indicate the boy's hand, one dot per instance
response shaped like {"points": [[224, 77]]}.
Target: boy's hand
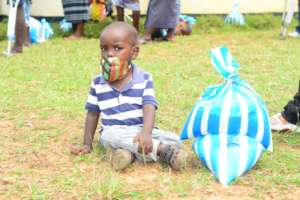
{"points": [[80, 150], [145, 142]]}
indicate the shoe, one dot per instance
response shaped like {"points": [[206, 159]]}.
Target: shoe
{"points": [[121, 159], [294, 34], [176, 158], [278, 123]]}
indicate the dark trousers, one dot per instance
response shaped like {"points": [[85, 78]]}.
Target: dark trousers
{"points": [[291, 111]]}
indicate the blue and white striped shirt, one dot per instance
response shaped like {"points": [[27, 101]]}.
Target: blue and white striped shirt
{"points": [[122, 107]]}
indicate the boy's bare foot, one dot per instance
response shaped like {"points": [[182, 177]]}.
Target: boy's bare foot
{"points": [[121, 159]]}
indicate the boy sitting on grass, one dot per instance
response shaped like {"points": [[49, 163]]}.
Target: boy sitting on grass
{"points": [[124, 96]]}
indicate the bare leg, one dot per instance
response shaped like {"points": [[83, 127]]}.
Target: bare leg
{"points": [[19, 29], [26, 37], [136, 19], [148, 34], [170, 35], [120, 13], [79, 29]]}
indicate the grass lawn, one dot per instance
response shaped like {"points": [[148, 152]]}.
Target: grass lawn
{"points": [[43, 92]]}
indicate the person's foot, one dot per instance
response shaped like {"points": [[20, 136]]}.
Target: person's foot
{"points": [[144, 40], [171, 37], [73, 37], [121, 159], [278, 123], [294, 34], [15, 51], [176, 158], [27, 43]]}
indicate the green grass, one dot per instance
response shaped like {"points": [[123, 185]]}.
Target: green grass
{"points": [[43, 92]]}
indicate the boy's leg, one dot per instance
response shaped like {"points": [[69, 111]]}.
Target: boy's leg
{"points": [[19, 30], [169, 150], [136, 19], [123, 138]]}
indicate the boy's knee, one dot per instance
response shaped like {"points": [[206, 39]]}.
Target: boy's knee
{"points": [[107, 140]]}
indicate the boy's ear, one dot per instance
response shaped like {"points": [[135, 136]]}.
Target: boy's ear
{"points": [[135, 51]]}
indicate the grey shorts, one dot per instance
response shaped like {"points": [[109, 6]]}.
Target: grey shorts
{"points": [[121, 137]]}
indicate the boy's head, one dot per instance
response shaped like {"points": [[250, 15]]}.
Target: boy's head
{"points": [[119, 46]]}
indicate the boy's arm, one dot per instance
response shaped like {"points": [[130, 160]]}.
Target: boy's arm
{"points": [[144, 139], [91, 122]]}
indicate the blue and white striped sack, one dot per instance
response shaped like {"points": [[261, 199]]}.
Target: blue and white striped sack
{"points": [[231, 110], [226, 156]]}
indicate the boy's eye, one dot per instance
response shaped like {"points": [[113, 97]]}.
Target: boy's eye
{"points": [[117, 48]]}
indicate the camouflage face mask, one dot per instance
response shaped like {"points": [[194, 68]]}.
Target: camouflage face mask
{"points": [[113, 69]]}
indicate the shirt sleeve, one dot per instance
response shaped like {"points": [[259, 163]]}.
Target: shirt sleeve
{"points": [[92, 101], [149, 94]]}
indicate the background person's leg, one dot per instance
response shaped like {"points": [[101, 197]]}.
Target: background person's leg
{"points": [[19, 30], [136, 19], [120, 13]]}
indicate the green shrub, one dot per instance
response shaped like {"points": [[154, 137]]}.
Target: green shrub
{"points": [[205, 24], [262, 22]]}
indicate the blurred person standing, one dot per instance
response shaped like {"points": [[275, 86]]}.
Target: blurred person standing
{"points": [[77, 13], [161, 15]]}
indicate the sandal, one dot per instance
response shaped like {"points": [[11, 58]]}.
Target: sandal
{"points": [[278, 123], [174, 157]]}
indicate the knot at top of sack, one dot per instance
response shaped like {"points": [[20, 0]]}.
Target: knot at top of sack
{"points": [[224, 63]]}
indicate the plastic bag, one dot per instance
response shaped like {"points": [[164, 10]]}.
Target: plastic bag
{"points": [[228, 157], [235, 17], [46, 30], [65, 26], [35, 30], [232, 108], [230, 122]]}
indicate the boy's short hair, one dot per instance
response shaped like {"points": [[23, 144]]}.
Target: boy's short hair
{"points": [[126, 28]]}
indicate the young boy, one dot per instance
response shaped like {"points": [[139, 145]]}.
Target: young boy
{"points": [[133, 5], [124, 96]]}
